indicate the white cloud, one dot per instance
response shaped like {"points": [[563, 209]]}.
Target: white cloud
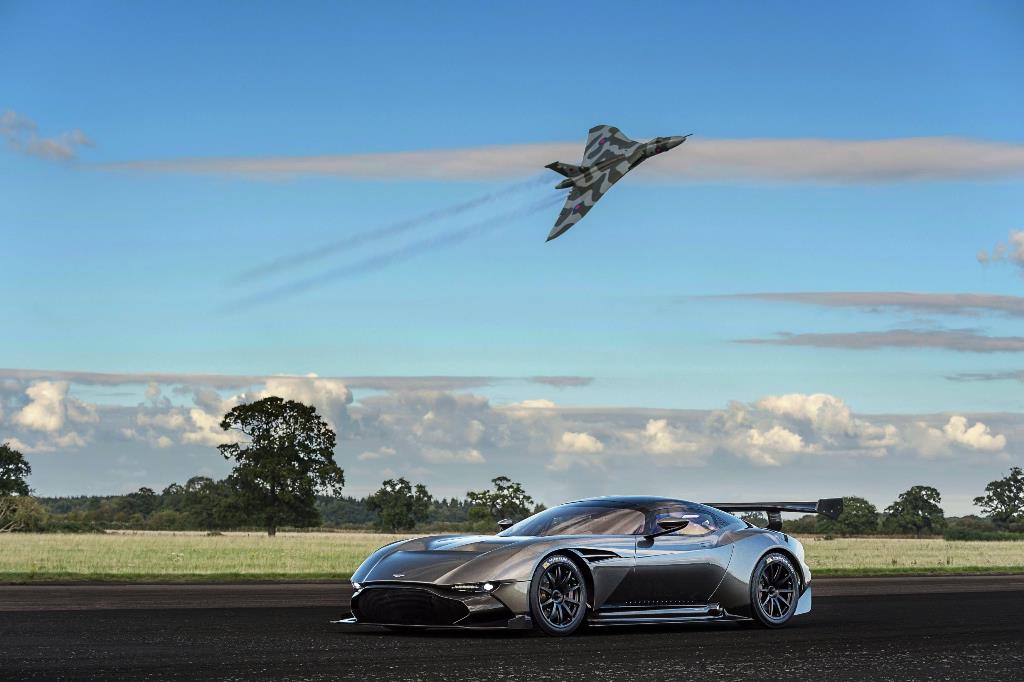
{"points": [[535, 404], [824, 412], [204, 429], [67, 440], [331, 397], [1010, 251], [700, 160], [776, 428], [152, 391], [579, 442], [46, 411], [661, 439], [379, 453], [533, 409], [175, 420], [21, 135], [977, 437], [50, 409], [953, 437], [442, 456], [770, 447]]}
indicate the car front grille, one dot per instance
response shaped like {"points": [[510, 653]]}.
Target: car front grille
{"points": [[407, 606]]}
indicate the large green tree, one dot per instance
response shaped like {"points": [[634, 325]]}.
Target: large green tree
{"points": [[14, 472], [284, 460], [859, 517], [210, 504], [1003, 501], [506, 500], [399, 506], [916, 511]]}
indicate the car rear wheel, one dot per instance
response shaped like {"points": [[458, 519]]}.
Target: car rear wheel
{"points": [[558, 596], [774, 590]]}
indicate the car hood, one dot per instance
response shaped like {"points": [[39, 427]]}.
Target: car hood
{"points": [[431, 560]]}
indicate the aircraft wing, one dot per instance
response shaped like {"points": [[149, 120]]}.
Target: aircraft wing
{"points": [[581, 199], [605, 143]]}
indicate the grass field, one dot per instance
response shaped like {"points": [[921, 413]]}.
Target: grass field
{"points": [[154, 556]]}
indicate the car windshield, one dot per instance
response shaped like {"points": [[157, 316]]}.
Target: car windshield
{"points": [[579, 520]]}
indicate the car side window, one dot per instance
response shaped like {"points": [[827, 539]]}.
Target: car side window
{"points": [[700, 523]]}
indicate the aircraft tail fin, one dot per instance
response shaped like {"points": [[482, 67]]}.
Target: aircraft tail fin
{"points": [[566, 169]]}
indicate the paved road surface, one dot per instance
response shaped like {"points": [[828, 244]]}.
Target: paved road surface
{"points": [[937, 629]]}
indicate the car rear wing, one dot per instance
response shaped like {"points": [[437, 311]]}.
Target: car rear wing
{"points": [[831, 507]]}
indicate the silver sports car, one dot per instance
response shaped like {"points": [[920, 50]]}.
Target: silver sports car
{"points": [[603, 561]]}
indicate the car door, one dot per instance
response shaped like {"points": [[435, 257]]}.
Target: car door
{"points": [[683, 567]]}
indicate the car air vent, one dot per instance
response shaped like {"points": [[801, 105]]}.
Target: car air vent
{"points": [[595, 555]]}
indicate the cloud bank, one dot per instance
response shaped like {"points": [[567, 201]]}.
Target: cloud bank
{"points": [[455, 439], [700, 160], [243, 381]]}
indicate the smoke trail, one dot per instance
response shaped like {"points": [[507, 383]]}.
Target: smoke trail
{"points": [[396, 255], [368, 236]]}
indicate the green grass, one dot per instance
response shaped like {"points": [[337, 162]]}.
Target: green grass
{"points": [[246, 557], [904, 556], [196, 557]]}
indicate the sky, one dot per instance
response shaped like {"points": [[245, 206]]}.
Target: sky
{"points": [[819, 294]]}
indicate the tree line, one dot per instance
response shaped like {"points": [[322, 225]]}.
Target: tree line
{"points": [[284, 475], [202, 503]]}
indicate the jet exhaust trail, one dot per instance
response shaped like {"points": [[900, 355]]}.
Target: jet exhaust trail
{"points": [[369, 236], [396, 255]]}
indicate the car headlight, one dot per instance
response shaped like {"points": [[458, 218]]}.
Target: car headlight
{"points": [[475, 587]]}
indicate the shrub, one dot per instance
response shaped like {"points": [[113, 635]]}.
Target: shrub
{"points": [[980, 535]]}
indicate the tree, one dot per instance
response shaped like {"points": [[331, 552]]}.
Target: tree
{"points": [[210, 504], [859, 517], [398, 507], [21, 513], [1004, 499], [287, 460], [916, 511], [144, 501], [13, 472], [507, 500]]}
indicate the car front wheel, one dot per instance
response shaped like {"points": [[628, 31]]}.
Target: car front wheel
{"points": [[558, 596], [774, 590]]}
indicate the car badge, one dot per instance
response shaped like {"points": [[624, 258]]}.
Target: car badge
{"points": [[398, 575]]}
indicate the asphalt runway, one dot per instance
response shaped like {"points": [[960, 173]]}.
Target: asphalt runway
{"points": [[880, 629]]}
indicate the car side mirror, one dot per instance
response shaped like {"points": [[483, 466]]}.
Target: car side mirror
{"points": [[668, 525], [505, 524], [671, 525]]}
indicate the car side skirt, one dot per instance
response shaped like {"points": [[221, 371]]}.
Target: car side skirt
{"points": [[632, 615]]}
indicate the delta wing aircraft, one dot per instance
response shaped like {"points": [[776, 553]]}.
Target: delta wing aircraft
{"points": [[608, 156]]}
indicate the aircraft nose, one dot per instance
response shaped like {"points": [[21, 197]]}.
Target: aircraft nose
{"points": [[674, 142]]}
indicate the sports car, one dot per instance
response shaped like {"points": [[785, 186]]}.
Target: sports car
{"points": [[600, 561]]}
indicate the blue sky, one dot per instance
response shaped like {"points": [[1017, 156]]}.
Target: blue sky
{"points": [[117, 267]]}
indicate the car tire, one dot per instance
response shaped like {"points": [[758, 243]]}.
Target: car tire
{"points": [[774, 590], [558, 596]]}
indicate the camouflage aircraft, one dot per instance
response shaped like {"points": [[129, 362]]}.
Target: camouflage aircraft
{"points": [[608, 156]]}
